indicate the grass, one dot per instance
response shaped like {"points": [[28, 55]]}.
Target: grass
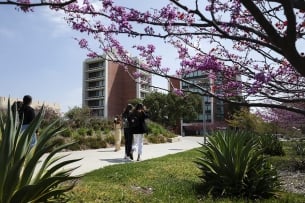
{"points": [[173, 178]]}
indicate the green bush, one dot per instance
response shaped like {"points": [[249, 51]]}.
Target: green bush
{"points": [[299, 148], [156, 139], [271, 145], [157, 129], [67, 133], [82, 131], [57, 141], [109, 139], [233, 164], [298, 164], [20, 180], [95, 142], [90, 132]]}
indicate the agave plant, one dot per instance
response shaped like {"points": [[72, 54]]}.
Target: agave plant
{"points": [[233, 164], [21, 180]]}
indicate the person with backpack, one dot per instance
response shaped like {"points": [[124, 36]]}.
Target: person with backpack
{"points": [[138, 127], [127, 131], [26, 116]]}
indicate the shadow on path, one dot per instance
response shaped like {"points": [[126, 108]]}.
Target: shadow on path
{"points": [[118, 160]]}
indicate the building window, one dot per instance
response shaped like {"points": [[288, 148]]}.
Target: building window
{"points": [[96, 93], [143, 95], [96, 74], [100, 64], [97, 112], [93, 103], [94, 84]]}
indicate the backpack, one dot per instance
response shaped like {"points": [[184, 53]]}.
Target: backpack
{"points": [[134, 121], [17, 107]]}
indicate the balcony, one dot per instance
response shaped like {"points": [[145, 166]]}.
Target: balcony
{"points": [[95, 88], [92, 79], [90, 70], [96, 107], [94, 98]]}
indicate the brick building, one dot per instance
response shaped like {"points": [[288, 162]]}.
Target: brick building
{"points": [[108, 86]]}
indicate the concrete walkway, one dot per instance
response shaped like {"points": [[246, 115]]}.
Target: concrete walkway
{"points": [[99, 158]]}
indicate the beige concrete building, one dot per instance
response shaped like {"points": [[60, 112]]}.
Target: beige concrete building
{"points": [[35, 104]]}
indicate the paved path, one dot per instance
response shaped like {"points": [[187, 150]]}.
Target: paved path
{"points": [[98, 158]]}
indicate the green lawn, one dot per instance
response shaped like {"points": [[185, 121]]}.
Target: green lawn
{"points": [[173, 178]]}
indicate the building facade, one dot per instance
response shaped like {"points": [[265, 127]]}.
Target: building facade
{"points": [[214, 111], [108, 86]]}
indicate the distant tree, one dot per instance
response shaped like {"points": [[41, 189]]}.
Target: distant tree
{"points": [[245, 120], [78, 117], [168, 109], [50, 116], [157, 106]]}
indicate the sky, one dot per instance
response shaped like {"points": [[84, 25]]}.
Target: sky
{"points": [[39, 56]]}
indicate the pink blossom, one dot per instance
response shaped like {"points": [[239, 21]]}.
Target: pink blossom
{"points": [[83, 43]]}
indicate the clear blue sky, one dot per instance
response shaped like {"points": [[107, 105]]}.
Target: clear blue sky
{"points": [[38, 56]]}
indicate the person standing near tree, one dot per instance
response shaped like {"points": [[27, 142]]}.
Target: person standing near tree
{"points": [[138, 127], [128, 136], [26, 116], [117, 125]]}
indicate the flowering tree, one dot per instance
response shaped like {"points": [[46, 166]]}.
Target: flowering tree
{"points": [[253, 47], [27, 5], [284, 119]]}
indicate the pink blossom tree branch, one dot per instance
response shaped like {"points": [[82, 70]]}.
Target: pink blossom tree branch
{"points": [[252, 47], [27, 5]]}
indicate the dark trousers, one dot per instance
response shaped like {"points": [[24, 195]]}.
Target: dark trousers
{"points": [[128, 141]]}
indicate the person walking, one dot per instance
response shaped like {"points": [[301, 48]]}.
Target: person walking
{"points": [[26, 116], [139, 127], [117, 125], [128, 136]]}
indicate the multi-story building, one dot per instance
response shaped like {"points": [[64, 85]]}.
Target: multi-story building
{"points": [[214, 111], [108, 86]]}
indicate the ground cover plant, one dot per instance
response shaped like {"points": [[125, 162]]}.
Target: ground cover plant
{"points": [[173, 178]]}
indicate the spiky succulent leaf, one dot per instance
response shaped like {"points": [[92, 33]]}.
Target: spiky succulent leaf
{"points": [[21, 178]]}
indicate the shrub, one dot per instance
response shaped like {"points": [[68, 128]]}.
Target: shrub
{"points": [[67, 133], [109, 139], [103, 144], [95, 142], [298, 164], [299, 148], [157, 129], [156, 139], [82, 131], [233, 164], [90, 132], [271, 145], [20, 180], [56, 141]]}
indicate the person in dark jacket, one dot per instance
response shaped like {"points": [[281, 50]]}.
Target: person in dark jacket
{"points": [[139, 127], [127, 131], [27, 115]]}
